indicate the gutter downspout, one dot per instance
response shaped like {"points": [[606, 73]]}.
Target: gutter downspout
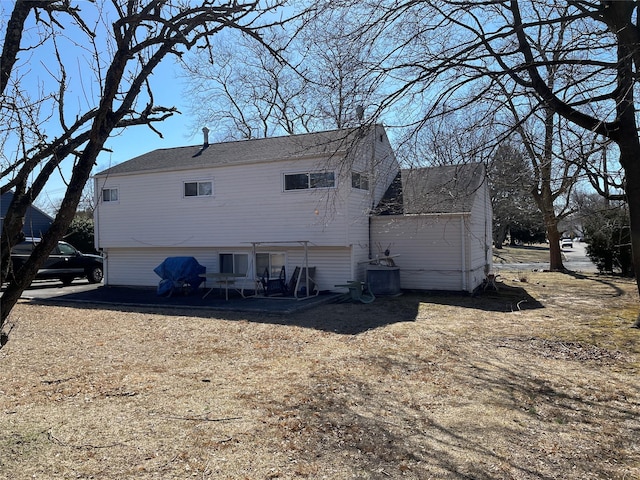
{"points": [[96, 231], [463, 256], [372, 185]]}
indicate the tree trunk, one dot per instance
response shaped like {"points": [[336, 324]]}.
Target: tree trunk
{"points": [[544, 200], [555, 252], [631, 164], [81, 173], [500, 235]]}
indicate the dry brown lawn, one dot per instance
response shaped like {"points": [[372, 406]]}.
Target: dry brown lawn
{"points": [[537, 381]]}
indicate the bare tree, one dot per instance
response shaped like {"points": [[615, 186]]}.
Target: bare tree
{"points": [[546, 142], [114, 46], [447, 54], [511, 182], [244, 93], [548, 139]]}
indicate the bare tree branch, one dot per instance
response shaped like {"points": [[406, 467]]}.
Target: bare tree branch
{"points": [[114, 81]]}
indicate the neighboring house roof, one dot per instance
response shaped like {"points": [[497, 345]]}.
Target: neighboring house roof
{"points": [[36, 222], [442, 189], [241, 152]]}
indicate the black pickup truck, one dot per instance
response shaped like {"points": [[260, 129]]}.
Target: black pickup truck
{"points": [[64, 262]]}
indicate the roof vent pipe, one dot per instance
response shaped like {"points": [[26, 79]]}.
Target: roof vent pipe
{"points": [[205, 131]]}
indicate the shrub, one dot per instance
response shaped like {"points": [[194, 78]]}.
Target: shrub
{"points": [[80, 235], [609, 240]]}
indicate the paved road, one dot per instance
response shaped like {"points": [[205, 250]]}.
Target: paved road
{"points": [[575, 259]]}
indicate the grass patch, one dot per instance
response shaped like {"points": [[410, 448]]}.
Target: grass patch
{"points": [[521, 254], [21, 445], [427, 386]]}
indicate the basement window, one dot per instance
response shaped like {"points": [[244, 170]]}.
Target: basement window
{"points": [[198, 189], [234, 263]]}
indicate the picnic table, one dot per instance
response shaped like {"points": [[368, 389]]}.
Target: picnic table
{"points": [[221, 280]]}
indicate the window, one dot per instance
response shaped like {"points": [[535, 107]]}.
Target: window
{"points": [[234, 263], [304, 181], [359, 181], [272, 262], [65, 249], [109, 194], [198, 189], [299, 181], [322, 180]]}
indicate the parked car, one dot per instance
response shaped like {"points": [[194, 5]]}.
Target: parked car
{"points": [[566, 243], [65, 262]]}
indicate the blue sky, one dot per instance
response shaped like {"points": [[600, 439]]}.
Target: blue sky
{"points": [[133, 141], [167, 86], [37, 69]]}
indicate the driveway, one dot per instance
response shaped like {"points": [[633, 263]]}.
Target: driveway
{"points": [[576, 258], [43, 289]]}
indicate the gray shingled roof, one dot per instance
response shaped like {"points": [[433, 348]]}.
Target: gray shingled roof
{"points": [[36, 222], [239, 152], [442, 189]]}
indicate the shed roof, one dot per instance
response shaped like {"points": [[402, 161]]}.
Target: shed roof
{"points": [[440, 189], [258, 150]]}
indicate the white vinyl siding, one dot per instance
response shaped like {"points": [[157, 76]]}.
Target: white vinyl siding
{"points": [[440, 252], [429, 249], [480, 237], [134, 266], [436, 252], [245, 208]]}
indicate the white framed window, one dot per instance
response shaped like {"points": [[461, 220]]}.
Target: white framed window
{"points": [[110, 194], [307, 180], [203, 188], [234, 263], [271, 262], [359, 181]]}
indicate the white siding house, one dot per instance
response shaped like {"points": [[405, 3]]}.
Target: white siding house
{"points": [[266, 203], [221, 202]]}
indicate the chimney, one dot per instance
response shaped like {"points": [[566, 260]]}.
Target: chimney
{"points": [[205, 131]]}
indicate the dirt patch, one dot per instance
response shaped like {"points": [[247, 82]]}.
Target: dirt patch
{"points": [[418, 386], [562, 350]]}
